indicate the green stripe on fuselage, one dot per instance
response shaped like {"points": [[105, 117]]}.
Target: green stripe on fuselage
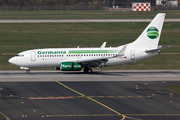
{"points": [[92, 51]]}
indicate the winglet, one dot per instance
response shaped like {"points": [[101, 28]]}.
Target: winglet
{"points": [[121, 53], [103, 45]]}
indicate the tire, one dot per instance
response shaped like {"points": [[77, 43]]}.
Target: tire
{"points": [[85, 70], [89, 71], [27, 71]]}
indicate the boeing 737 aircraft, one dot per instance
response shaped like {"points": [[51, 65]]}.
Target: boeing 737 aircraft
{"points": [[76, 59]]}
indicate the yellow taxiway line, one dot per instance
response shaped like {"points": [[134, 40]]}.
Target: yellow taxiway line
{"points": [[90, 98]]}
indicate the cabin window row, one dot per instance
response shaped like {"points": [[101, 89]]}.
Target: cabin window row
{"points": [[75, 55], [50, 55]]}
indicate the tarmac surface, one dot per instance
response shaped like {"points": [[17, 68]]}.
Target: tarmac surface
{"points": [[107, 95], [81, 20]]}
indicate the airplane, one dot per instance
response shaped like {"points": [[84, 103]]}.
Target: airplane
{"points": [[76, 59]]}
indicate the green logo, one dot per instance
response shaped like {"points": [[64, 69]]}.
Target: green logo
{"points": [[52, 52], [152, 33]]}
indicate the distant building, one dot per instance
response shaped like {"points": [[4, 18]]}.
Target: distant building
{"points": [[167, 2]]}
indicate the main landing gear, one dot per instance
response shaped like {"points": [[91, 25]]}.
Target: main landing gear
{"points": [[88, 70], [27, 71]]}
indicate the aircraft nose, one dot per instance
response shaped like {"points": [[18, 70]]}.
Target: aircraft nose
{"points": [[11, 60]]}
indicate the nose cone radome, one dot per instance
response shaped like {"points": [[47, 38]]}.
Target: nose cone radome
{"points": [[11, 60]]}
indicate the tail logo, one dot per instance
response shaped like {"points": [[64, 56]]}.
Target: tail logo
{"points": [[153, 33]]}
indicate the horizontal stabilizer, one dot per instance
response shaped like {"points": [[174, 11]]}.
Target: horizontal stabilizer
{"points": [[158, 49]]}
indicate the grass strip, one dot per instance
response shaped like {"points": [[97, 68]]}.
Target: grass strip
{"points": [[20, 37], [175, 88], [85, 14]]}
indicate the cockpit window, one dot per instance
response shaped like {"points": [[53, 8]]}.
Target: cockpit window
{"points": [[19, 55]]}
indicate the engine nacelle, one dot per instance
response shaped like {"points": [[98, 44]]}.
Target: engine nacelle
{"points": [[70, 66]]}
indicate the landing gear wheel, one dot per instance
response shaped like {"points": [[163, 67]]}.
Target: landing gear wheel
{"points": [[27, 71], [87, 70]]}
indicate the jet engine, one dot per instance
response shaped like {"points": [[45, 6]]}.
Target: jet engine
{"points": [[70, 66]]}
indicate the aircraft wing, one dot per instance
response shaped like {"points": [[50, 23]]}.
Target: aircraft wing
{"points": [[98, 62]]}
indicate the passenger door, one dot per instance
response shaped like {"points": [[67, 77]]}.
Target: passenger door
{"points": [[33, 56]]}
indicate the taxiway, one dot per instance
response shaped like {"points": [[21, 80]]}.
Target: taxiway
{"points": [[117, 95], [81, 20]]}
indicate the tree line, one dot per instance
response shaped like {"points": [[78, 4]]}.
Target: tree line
{"points": [[67, 2]]}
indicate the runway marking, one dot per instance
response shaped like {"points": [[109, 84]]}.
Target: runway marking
{"points": [[72, 97], [69, 88], [88, 97], [45, 98], [104, 105], [124, 115], [153, 114], [82, 115]]}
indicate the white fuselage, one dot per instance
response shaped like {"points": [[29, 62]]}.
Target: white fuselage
{"points": [[52, 57]]}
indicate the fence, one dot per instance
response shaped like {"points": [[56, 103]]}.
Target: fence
{"points": [[49, 7], [77, 7]]}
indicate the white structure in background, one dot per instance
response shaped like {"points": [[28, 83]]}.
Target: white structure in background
{"points": [[167, 2], [140, 6]]}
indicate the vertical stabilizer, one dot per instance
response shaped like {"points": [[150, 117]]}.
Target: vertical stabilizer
{"points": [[149, 38]]}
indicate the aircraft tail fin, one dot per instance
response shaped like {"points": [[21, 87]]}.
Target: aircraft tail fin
{"points": [[149, 38]]}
